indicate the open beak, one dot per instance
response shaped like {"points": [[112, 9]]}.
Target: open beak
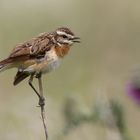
{"points": [[76, 39]]}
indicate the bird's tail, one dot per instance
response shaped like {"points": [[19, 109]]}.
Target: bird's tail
{"points": [[5, 64]]}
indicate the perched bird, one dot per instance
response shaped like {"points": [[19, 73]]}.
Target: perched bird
{"points": [[39, 55]]}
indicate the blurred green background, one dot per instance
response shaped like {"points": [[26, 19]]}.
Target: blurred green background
{"points": [[101, 64]]}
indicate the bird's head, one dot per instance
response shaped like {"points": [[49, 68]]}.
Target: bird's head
{"points": [[64, 36]]}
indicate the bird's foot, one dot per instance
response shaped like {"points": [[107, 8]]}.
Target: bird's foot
{"points": [[38, 75], [41, 101]]}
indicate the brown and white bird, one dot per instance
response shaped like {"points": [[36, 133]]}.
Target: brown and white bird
{"points": [[39, 55]]}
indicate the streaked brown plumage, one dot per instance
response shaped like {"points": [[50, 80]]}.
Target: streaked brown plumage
{"points": [[40, 54]]}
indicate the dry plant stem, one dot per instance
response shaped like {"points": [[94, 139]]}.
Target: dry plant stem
{"points": [[42, 104]]}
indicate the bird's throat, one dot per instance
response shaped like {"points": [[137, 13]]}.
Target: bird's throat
{"points": [[62, 51]]}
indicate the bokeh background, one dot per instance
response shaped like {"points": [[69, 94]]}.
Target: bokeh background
{"points": [[94, 73]]}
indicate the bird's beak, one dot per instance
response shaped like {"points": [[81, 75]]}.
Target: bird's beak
{"points": [[76, 39]]}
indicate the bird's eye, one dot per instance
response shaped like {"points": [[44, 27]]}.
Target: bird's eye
{"points": [[64, 36]]}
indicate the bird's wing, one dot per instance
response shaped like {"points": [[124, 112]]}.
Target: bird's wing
{"points": [[33, 47]]}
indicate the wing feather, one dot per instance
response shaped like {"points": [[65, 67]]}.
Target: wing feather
{"points": [[33, 47]]}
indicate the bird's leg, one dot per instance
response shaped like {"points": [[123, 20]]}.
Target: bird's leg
{"points": [[41, 98], [31, 85]]}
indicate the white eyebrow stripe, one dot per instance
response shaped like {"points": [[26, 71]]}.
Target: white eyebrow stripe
{"points": [[63, 33]]}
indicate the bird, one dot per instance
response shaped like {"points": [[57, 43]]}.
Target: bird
{"points": [[39, 55]]}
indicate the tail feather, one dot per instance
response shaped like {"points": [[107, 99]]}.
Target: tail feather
{"points": [[19, 77], [8, 63], [5, 64]]}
